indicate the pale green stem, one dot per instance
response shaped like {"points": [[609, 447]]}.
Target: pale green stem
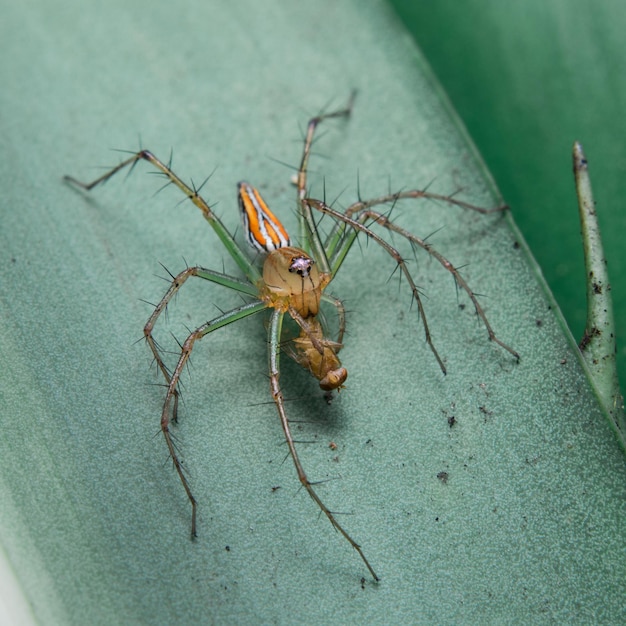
{"points": [[598, 344]]}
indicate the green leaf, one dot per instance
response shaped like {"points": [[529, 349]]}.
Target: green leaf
{"points": [[528, 79], [513, 513]]}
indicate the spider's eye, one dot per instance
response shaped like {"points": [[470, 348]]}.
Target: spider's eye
{"points": [[301, 265]]}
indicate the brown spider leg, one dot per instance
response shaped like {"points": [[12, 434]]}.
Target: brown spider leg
{"points": [[248, 268], [383, 220], [358, 226], [308, 141], [277, 395], [357, 207], [338, 232], [177, 282], [308, 227], [172, 388]]}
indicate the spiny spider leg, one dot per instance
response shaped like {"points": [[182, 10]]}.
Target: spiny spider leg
{"points": [[277, 394], [383, 220], [308, 227], [314, 122], [339, 230], [172, 388], [357, 207], [238, 255], [358, 225], [362, 212], [177, 282]]}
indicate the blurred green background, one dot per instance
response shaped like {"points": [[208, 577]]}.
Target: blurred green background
{"points": [[528, 79]]}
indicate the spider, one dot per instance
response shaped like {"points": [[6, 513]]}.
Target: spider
{"points": [[291, 282]]}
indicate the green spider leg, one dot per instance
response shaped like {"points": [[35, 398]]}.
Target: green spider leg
{"points": [[240, 257], [173, 378], [177, 282], [172, 389], [274, 334]]}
